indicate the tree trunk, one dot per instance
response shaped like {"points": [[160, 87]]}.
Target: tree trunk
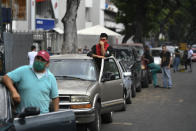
{"points": [[70, 44]]}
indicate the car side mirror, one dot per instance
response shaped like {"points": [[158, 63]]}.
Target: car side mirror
{"points": [[127, 74], [29, 111]]}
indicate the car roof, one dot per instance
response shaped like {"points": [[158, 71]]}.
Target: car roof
{"points": [[71, 56], [158, 48]]}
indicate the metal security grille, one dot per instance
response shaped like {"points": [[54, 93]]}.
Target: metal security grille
{"points": [[16, 47]]}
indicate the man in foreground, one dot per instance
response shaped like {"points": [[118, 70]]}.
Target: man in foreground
{"points": [[36, 85]]}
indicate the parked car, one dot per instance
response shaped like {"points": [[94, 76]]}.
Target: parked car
{"points": [[90, 92], [30, 119], [128, 56], [146, 76], [127, 82], [194, 56], [155, 52]]}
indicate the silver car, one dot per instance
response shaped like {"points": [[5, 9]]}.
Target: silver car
{"points": [[88, 91]]}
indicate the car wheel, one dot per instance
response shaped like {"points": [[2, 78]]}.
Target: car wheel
{"points": [[145, 82], [149, 77], [107, 117], [81, 127], [124, 106], [133, 90], [96, 125], [128, 100], [139, 88]]}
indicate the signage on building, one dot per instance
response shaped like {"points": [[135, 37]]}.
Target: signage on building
{"points": [[45, 24]]}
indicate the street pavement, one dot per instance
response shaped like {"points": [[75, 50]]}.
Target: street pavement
{"points": [[159, 109]]}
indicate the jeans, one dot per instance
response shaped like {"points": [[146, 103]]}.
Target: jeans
{"points": [[167, 81], [176, 63], [154, 69]]}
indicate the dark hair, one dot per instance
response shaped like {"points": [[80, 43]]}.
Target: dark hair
{"points": [[104, 35], [33, 47], [163, 45]]}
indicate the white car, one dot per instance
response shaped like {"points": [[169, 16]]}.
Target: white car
{"points": [[155, 53]]}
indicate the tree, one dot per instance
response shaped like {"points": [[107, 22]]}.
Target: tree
{"points": [[70, 44], [143, 18]]}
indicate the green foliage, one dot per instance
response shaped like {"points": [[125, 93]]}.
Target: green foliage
{"points": [[144, 18]]}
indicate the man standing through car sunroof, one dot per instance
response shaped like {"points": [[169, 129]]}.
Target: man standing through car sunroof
{"points": [[36, 85], [101, 50]]}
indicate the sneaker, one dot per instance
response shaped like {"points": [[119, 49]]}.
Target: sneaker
{"points": [[169, 87], [157, 86]]}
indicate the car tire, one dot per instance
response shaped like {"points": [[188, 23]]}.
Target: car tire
{"points": [[124, 106], [145, 82], [107, 117], [81, 127], [149, 77], [96, 125], [139, 88], [133, 90], [128, 100]]}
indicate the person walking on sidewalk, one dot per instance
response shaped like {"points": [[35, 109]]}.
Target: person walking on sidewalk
{"points": [[176, 60], [154, 69], [32, 54], [165, 67]]}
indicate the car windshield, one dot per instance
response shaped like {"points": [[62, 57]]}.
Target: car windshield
{"points": [[194, 51], [3, 103], [155, 52], [122, 54], [73, 69]]}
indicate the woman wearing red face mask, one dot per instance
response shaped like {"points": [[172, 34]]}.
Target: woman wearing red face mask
{"points": [[101, 50]]}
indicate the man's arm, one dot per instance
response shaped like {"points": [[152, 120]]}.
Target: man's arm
{"points": [[170, 60], [9, 84], [55, 103]]}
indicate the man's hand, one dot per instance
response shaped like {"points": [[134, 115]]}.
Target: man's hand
{"points": [[101, 43], [15, 97], [168, 66], [9, 84]]}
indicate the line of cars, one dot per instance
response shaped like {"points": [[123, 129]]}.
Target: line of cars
{"points": [[88, 94], [94, 92]]}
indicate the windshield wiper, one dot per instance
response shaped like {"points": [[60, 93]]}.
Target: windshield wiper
{"points": [[72, 77]]}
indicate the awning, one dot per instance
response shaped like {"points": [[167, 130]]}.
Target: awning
{"points": [[97, 30], [59, 30]]}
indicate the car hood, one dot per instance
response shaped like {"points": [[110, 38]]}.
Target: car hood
{"points": [[77, 87]]}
